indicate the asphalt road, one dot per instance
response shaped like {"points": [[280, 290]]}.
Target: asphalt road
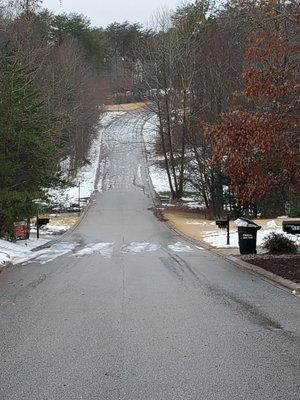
{"points": [[144, 318]]}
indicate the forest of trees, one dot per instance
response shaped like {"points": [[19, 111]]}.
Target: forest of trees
{"points": [[224, 83], [55, 73]]}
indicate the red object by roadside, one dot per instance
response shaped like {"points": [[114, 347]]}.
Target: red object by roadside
{"points": [[20, 231]]}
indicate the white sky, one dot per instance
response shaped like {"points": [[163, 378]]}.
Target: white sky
{"points": [[103, 12]]}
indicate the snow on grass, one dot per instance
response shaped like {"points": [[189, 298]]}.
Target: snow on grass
{"points": [[179, 247], [218, 238], [54, 229], [21, 251], [158, 175], [85, 178], [272, 225], [5, 258], [159, 179], [11, 252], [86, 175], [150, 133], [195, 205], [105, 249]]}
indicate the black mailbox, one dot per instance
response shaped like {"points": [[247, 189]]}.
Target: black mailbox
{"points": [[43, 221], [292, 227], [222, 223]]}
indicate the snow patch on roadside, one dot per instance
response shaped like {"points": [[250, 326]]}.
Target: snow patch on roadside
{"points": [[12, 252], [5, 258], [86, 175], [218, 238], [159, 179], [158, 175], [272, 225], [21, 252]]}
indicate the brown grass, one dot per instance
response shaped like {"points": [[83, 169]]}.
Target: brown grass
{"points": [[125, 106], [68, 219]]}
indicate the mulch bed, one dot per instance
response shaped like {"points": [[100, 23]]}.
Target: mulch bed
{"points": [[284, 265]]}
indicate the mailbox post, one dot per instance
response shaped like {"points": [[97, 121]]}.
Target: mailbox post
{"points": [[37, 225], [40, 221], [228, 233], [224, 223]]}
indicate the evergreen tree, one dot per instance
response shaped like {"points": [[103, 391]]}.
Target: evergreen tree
{"points": [[28, 154]]}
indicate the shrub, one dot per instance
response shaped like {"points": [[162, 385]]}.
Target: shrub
{"points": [[277, 243], [295, 212]]}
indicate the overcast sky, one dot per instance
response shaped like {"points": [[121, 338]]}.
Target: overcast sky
{"points": [[103, 12]]}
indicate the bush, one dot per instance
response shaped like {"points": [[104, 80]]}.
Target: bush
{"points": [[295, 212], [277, 243]]}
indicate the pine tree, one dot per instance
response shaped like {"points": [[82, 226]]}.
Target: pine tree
{"points": [[28, 153]]}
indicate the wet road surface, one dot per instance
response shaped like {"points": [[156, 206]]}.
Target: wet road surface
{"points": [[132, 311]]}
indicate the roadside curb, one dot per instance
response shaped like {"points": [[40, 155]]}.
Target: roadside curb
{"points": [[276, 280], [268, 276]]}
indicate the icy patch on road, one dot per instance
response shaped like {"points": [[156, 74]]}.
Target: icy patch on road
{"points": [[105, 249], [110, 117], [180, 247], [137, 247], [219, 238]]}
